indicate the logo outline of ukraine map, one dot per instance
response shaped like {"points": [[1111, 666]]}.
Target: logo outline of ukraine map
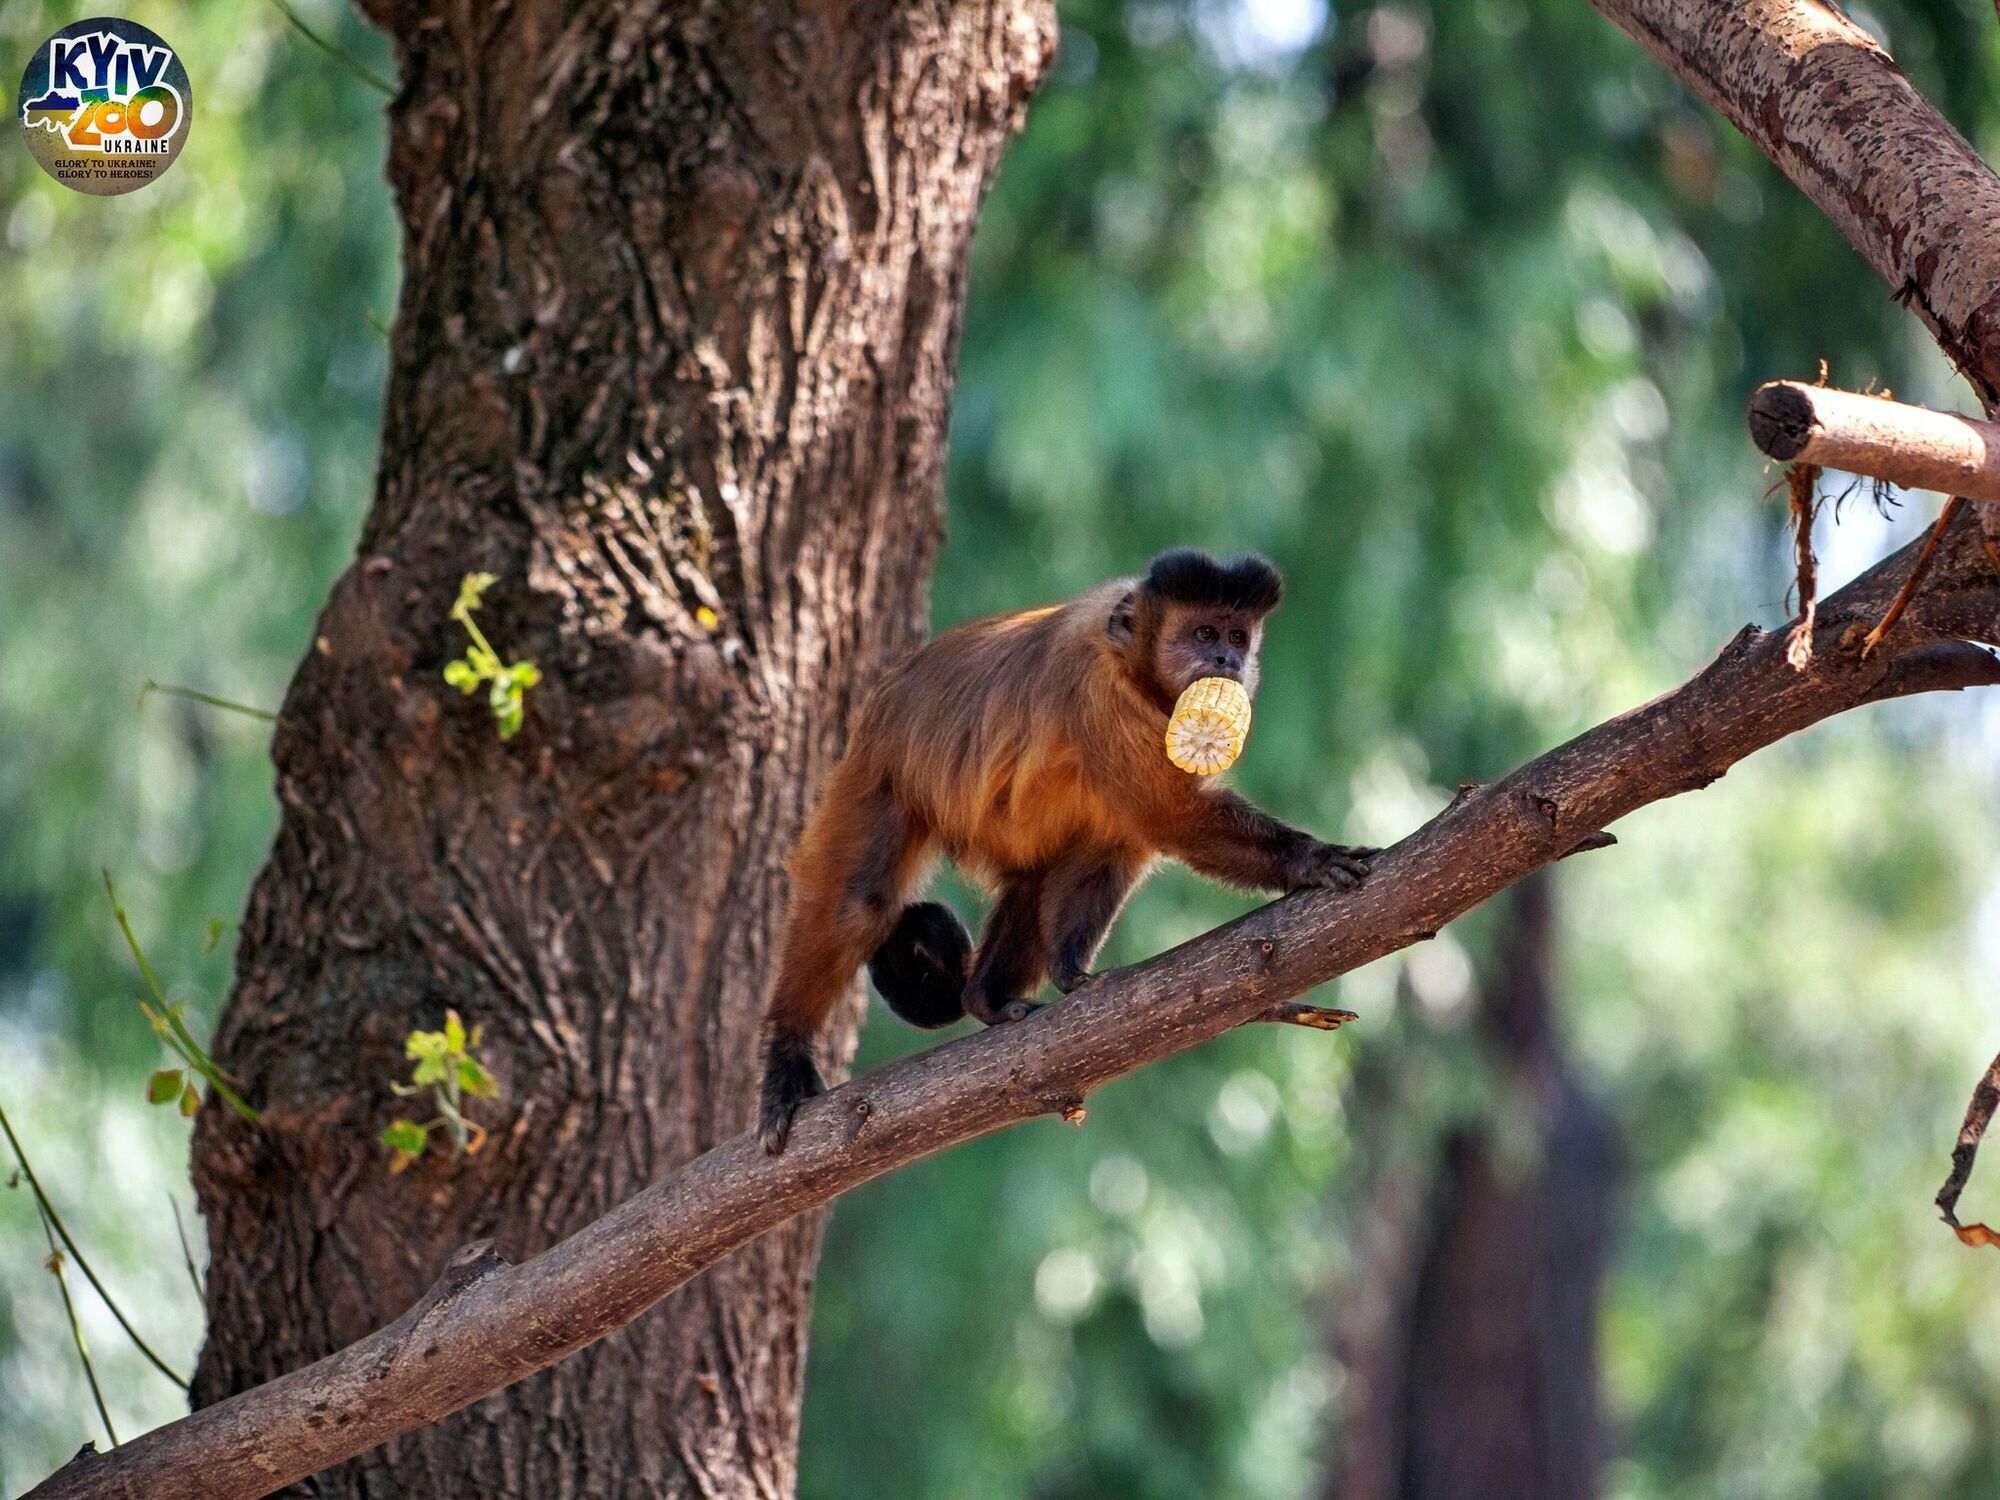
{"points": [[105, 105]]}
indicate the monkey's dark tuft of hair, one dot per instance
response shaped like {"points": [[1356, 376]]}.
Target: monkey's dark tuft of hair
{"points": [[921, 968], [1188, 576], [790, 1078]]}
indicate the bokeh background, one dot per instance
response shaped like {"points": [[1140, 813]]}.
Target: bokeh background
{"points": [[1451, 309]]}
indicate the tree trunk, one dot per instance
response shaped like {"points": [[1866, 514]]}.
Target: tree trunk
{"points": [[674, 357], [1474, 1347]]}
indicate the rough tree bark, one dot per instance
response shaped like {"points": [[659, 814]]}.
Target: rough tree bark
{"points": [[1472, 1342], [677, 338]]}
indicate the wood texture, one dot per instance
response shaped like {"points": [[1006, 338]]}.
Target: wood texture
{"points": [[676, 341]]}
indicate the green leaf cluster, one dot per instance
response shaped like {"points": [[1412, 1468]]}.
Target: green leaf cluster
{"points": [[507, 685], [448, 1073], [169, 1023]]}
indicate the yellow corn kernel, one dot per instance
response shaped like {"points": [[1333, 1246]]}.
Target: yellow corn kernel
{"points": [[1209, 725]]}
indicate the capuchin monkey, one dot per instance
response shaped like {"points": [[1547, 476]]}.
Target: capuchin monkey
{"points": [[1029, 749]]}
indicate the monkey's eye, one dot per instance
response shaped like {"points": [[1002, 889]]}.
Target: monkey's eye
{"points": [[1238, 638], [1204, 633]]}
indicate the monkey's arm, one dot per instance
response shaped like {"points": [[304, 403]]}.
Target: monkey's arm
{"points": [[1080, 901], [1225, 837]]}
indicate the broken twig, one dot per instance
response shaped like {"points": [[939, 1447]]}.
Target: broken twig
{"points": [[1917, 570], [1978, 1114]]}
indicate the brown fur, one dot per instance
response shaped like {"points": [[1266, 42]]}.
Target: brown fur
{"points": [[1029, 749]]}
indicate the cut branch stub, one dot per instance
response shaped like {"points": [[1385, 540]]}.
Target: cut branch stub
{"points": [[1908, 445]]}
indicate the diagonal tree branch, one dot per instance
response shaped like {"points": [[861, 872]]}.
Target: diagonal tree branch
{"points": [[486, 1323], [1819, 96]]}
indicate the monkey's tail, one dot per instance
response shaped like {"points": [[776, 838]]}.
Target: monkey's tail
{"points": [[921, 968]]}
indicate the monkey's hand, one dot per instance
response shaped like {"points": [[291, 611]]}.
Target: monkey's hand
{"points": [[1339, 867], [790, 1078]]}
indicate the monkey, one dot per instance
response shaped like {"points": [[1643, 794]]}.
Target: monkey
{"points": [[1029, 749]]}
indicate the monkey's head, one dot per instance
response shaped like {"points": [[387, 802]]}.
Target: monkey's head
{"points": [[1192, 617]]}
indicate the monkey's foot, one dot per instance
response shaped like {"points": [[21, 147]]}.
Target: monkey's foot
{"points": [[1298, 1013], [1069, 983], [997, 1010], [790, 1078]]}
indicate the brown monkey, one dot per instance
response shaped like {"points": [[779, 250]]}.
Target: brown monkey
{"points": [[1029, 749]]}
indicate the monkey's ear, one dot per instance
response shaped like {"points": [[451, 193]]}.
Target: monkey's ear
{"points": [[1123, 626]]}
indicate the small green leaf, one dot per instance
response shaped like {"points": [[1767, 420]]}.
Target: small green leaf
{"points": [[430, 1070], [454, 1032], [190, 1102], [164, 1086], [507, 714], [462, 675], [216, 927], [525, 673], [475, 1080], [419, 1044], [470, 588], [405, 1137]]}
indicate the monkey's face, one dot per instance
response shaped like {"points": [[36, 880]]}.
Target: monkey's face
{"points": [[1207, 641]]}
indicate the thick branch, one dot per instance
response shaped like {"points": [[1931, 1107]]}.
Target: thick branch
{"points": [[1908, 445], [1820, 97], [488, 1324]]}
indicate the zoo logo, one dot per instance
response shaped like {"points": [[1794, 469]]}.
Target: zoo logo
{"points": [[105, 105]]}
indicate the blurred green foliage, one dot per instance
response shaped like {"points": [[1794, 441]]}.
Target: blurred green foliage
{"points": [[1451, 309]]}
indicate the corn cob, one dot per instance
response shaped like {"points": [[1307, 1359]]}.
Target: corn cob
{"points": [[1209, 725]]}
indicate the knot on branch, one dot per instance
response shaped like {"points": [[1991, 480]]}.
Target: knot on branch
{"points": [[1548, 815], [1735, 651], [1545, 813], [469, 1266], [859, 1113]]}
